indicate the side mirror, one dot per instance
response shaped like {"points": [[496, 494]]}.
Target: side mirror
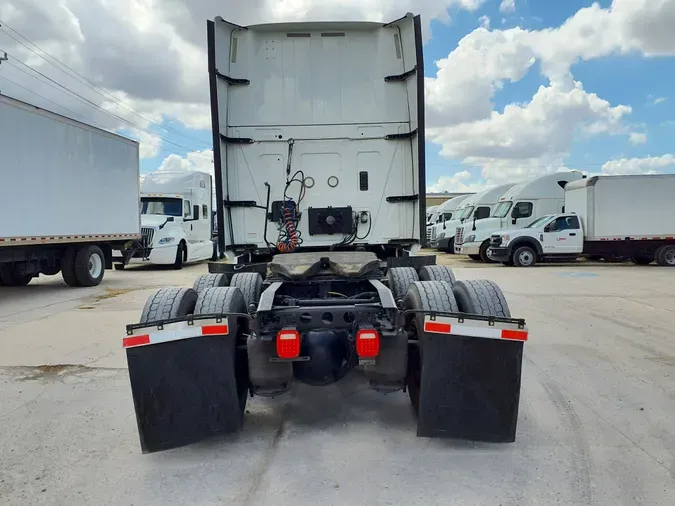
{"points": [[513, 221], [474, 223]]}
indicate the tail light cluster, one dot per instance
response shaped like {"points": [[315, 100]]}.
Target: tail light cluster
{"points": [[367, 343]]}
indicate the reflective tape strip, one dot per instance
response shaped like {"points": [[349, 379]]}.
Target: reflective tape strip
{"points": [[639, 238], [448, 326], [165, 336], [67, 237]]}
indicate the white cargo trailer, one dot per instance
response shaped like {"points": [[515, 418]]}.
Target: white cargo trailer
{"points": [[70, 196], [605, 216]]}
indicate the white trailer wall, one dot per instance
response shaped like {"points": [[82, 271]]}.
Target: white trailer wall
{"points": [[60, 177], [625, 206]]}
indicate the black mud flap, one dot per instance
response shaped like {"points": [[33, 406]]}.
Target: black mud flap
{"points": [[184, 391], [469, 388]]}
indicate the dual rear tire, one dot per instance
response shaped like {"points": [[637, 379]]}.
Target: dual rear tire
{"points": [[83, 266]]}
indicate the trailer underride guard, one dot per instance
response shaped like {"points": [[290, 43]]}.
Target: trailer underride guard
{"points": [[349, 297]]}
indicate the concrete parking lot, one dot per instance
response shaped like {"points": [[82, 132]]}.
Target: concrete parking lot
{"points": [[596, 425]]}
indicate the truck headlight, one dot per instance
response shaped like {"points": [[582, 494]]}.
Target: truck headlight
{"points": [[470, 238], [166, 240]]}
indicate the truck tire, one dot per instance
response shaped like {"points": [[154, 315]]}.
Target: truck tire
{"points": [[614, 259], [209, 281], [475, 258], [9, 276], [250, 284], [119, 267], [68, 266], [483, 252], [172, 302], [665, 256], [641, 259], [481, 297], [525, 256], [400, 279], [89, 265], [427, 296], [233, 391], [180, 256], [437, 273]]}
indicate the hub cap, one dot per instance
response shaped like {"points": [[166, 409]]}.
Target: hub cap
{"points": [[525, 258], [670, 256], [95, 266]]}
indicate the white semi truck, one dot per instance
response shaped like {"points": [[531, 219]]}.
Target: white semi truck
{"points": [[445, 211], [176, 220], [69, 196], [518, 207], [319, 145], [598, 222], [477, 207]]}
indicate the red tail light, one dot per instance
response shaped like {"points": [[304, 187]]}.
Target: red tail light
{"points": [[367, 343], [288, 344]]}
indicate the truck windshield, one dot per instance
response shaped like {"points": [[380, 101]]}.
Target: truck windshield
{"points": [[541, 221], [502, 209], [466, 213], [164, 206]]}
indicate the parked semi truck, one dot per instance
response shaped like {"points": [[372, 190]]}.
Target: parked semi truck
{"points": [[598, 223], [69, 199], [322, 187], [176, 220], [478, 207], [446, 211], [518, 207]]}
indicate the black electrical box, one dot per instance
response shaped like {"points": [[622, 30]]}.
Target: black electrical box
{"points": [[330, 220]]}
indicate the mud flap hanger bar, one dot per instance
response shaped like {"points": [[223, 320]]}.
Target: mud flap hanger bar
{"points": [[461, 317], [190, 320]]}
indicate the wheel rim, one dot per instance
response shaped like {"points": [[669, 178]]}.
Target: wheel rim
{"points": [[95, 266], [669, 256], [525, 258]]}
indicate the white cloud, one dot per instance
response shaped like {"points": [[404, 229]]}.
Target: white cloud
{"points": [[529, 137], [535, 137], [201, 161], [484, 22], [636, 138], [458, 182], [648, 165], [507, 6], [658, 100]]}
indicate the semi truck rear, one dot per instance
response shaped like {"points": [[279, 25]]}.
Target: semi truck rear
{"points": [[318, 133]]}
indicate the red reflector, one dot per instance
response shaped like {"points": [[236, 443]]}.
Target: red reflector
{"points": [[367, 343], [214, 330], [288, 344], [131, 341], [516, 335], [438, 328]]}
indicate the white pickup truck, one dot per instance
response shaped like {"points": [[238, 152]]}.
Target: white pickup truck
{"points": [[597, 222]]}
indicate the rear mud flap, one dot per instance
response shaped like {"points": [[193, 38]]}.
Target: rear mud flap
{"points": [[469, 388], [183, 391]]}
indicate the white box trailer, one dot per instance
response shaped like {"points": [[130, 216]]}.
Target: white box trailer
{"points": [[634, 207], [608, 217], [70, 196]]}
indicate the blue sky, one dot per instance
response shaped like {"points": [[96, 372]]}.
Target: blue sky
{"points": [[643, 83]]}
